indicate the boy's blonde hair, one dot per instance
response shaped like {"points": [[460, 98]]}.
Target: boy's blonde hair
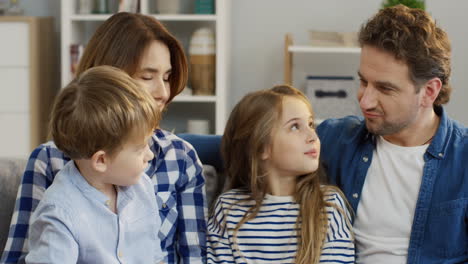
{"points": [[101, 109]]}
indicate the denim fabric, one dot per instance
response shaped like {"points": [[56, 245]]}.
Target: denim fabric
{"points": [[440, 227]]}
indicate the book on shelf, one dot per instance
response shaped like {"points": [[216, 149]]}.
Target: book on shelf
{"points": [[132, 6], [76, 51]]}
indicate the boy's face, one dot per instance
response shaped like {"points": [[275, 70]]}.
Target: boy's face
{"points": [[126, 167]]}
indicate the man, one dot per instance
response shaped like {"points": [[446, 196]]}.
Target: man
{"points": [[402, 166]]}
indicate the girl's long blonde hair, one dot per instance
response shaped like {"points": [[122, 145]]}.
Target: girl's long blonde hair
{"points": [[248, 132]]}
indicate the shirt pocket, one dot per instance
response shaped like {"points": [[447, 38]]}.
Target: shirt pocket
{"points": [[447, 229]]}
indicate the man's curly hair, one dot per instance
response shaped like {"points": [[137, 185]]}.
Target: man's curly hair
{"points": [[412, 36]]}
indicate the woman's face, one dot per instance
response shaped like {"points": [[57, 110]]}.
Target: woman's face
{"points": [[154, 71]]}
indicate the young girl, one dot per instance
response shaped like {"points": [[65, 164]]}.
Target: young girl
{"points": [[277, 211]]}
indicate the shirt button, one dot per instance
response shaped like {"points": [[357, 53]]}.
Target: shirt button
{"points": [[164, 205], [355, 195], [107, 203], [120, 254], [441, 155], [365, 158]]}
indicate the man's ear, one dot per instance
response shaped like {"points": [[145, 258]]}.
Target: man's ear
{"points": [[430, 92], [100, 161]]}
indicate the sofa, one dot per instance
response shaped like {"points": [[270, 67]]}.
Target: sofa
{"points": [[11, 170]]}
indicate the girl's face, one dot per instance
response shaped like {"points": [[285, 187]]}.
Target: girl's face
{"points": [[154, 71], [295, 146]]}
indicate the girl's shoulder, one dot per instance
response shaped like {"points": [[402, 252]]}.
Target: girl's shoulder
{"points": [[234, 198], [334, 196], [235, 195]]}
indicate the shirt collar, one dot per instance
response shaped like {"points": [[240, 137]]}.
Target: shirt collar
{"points": [[125, 193], [80, 182], [439, 143]]}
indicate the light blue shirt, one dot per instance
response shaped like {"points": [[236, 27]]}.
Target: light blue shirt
{"points": [[72, 223]]}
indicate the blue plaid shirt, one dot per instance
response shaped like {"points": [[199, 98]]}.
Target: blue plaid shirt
{"points": [[179, 186]]}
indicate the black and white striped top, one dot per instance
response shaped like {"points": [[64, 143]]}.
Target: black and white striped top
{"points": [[271, 236]]}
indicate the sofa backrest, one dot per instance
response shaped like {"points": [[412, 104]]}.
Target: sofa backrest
{"points": [[11, 171]]}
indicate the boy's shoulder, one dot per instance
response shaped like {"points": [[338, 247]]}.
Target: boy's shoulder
{"points": [[62, 190]]}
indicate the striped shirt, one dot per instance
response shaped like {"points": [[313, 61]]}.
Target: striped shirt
{"points": [[179, 187], [272, 236]]}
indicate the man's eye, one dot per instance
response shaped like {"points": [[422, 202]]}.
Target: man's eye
{"points": [[385, 89]]}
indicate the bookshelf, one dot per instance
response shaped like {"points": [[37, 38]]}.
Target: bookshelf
{"points": [[290, 49], [330, 71], [27, 68], [78, 28]]}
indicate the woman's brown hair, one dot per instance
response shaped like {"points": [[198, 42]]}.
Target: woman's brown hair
{"points": [[248, 132], [122, 40]]}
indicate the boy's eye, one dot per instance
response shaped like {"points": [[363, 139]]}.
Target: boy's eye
{"points": [[146, 78]]}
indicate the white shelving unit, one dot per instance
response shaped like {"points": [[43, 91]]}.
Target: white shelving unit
{"points": [[78, 28], [326, 62], [290, 49], [27, 81]]}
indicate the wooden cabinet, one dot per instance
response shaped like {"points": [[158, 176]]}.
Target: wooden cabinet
{"points": [[27, 86]]}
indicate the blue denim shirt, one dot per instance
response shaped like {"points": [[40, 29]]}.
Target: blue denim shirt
{"points": [[439, 232], [72, 223]]}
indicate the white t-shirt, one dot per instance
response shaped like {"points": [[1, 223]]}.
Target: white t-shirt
{"points": [[385, 212]]}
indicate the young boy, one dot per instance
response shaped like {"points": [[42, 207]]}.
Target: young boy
{"points": [[101, 207]]}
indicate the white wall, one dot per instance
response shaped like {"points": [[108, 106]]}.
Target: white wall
{"points": [[451, 16], [259, 26]]}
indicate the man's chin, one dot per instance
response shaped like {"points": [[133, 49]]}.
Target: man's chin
{"points": [[373, 127]]}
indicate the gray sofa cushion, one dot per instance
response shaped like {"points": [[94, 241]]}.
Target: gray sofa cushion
{"points": [[11, 171]]}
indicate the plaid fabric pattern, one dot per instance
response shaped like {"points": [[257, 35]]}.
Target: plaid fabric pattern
{"points": [[179, 185]]}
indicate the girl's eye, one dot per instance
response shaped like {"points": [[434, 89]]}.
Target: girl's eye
{"points": [[295, 127], [311, 125]]}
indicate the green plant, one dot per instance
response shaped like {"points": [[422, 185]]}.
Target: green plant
{"points": [[409, 3]]}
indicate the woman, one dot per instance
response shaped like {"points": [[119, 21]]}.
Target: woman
{"points": [[141, 46]]}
